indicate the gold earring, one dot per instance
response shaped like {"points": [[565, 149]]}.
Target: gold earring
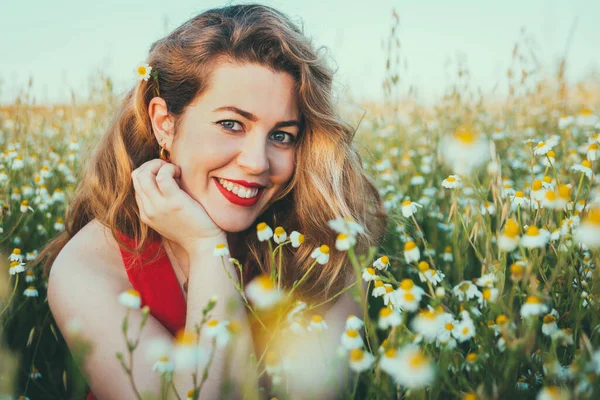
{"points": [[163, 156]]}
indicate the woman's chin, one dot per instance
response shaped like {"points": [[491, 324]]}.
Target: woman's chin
{"points": [[229, 224]]}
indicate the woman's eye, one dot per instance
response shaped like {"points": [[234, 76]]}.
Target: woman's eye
{"points": [[228, 124], [281, 137]]}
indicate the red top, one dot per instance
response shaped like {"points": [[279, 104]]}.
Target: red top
{"points": [[157, 284]]}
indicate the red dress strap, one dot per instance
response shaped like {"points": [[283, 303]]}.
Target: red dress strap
{"points": [[154, 278]]}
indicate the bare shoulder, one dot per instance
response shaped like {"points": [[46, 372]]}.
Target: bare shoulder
{"points": [[89, 262], [92, 250]]}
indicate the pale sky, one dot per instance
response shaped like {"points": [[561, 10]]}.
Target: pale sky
{"points": [[61, 43]]}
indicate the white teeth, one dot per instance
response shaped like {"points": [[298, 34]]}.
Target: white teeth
{"points": [[241, 191]]}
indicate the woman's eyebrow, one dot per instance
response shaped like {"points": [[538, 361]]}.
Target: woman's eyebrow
{"points": [[254, 118]]}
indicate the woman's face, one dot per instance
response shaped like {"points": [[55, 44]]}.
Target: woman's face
{"points": [[243, 128]]}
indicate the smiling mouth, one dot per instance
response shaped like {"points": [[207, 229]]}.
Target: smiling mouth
{"points": [[229, 192]]}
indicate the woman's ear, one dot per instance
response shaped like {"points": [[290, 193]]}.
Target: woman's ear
{"points": [[162, 122]]}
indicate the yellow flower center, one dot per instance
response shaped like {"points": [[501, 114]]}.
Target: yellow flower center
{"points": [[586, 112], [324, 249], [593, 216], [487, 293], [593, 147], [356, 355], [551, 154], [385, 260], [550, 196], [390, 353], [537, 184], [220, 246], [317, 319], [370, 271], [378, 283], [471, 357], [16, 250], [448, 249], [533, 231], [342, 236], [586, 163], [262, 226], [532, 300], [265, 282], [465, 135], [547, 179], [501, 319], [409, 296], [408, 246], [352, 333], [449, 326], [407, 284], [549, 318], [212, 323], [186, 337], [451, 179], [406, 203], [470, 396], [564, 192], [142, 70], [516, 270], [511, 229], [385, 312], [417, 360], [279, 231], [423, 266], [540, 145], [519, 193], [133, 292]]}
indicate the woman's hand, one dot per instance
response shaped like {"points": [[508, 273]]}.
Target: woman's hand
{"points": [[169, 210]]}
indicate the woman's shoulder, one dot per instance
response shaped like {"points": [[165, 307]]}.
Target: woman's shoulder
{"points": [[91, 254]]}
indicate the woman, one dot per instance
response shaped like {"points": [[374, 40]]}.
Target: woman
{"points": [[234, 127]]}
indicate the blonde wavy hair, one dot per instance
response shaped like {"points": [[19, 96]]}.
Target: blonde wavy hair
{"points": [[328, 180]]}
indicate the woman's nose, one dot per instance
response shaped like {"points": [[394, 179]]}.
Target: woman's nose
{"points": [[253, 155]]}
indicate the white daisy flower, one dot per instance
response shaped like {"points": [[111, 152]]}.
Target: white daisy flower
{"points": [[31, 291], [220, 250], [465, 329], [17, 163], [16, 255], [533, 307], [535, 238], [346, 225], [321, 254], [519, 200], [448, 256], [408, 295], [464, 141], [143, 71], [413, 368], [509, 239], [382, 263], [279, 235], [378, 289], [187, 355], [130, 298], [317, 324], [487, 280], [542, 148], [588, 233], [163, 365], [564, 121], [29, 275], [592, 152], [16, 267], [263, 292], [388, 318], [552, 393], [466, 291], [297, 239], [360, 360], [411, 252], [344, 241], [409, 208], [417, 179], [427, 324], [353, 322], [351, 339], [490, 294], [452, 182], [549, 326], [369, 274], [264, 231]]}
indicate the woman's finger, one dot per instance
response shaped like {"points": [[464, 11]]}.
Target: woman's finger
{"points": [[140, 197], [165, 179], [146, 177]]}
